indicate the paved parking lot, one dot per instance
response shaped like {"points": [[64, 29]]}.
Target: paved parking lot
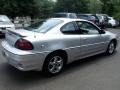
{"points": [[95, 73]]}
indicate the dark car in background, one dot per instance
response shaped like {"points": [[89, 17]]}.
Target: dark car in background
{"points": [[90, 17], [64, 15], [103, 19]]}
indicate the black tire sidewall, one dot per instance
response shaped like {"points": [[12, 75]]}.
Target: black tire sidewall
{"points": [[47, 60], [109, 48]]}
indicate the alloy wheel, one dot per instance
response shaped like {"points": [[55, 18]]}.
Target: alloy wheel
{"points": [[55, 64]]}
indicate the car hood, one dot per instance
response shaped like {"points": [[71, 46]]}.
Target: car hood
{"points": [[112, 35]]}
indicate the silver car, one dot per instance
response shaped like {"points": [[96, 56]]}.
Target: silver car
{"points": [[51, 44], [5, 23]]}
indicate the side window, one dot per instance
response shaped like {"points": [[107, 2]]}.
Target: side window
{"points": [[87, 28], [68, 28], [72, 16]]}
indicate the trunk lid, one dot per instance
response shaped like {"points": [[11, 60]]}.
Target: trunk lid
{"points": [[13, 35]]}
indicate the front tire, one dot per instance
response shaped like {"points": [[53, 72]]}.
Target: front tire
{"points": [[111, 48], [54, 64]]}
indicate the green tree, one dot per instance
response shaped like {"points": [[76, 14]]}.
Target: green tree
{"points": [[18, 7], [108, 7], [45, 8], [117, 9], [77, 6], [95, 6]]}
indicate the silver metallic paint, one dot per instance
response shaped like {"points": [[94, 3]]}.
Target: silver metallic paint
{"points": [[76, 46]]}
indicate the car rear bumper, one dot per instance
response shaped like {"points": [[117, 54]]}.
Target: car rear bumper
{"points": [[22, 60]]}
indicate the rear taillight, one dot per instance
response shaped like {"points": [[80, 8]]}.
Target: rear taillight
{"points": [[23, 44]]}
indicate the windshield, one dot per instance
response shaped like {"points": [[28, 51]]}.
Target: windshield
{"points": [[4, 19], [44, 26]]}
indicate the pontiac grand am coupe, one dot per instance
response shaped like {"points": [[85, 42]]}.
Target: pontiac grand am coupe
{"points": [[51, 44]]}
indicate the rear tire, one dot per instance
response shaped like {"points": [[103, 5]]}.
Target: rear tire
{"points": [[54, 64]]}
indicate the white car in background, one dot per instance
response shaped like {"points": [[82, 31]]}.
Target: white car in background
{"points": [[5, 23], [112, 22]]}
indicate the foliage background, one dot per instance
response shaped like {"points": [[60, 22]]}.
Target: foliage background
{"points": [[44, 8]]}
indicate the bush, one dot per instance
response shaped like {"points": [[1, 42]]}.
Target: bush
{"points": [[117, 16]]}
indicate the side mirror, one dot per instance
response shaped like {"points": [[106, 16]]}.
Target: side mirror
{"points": [[102, 31]]}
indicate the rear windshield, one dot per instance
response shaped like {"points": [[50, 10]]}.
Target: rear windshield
{"points": [[84, 17], [44, 26], [95, 17], [59, 15], [100, 17], [4, 19]]}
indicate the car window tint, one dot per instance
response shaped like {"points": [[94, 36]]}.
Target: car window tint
{"points": [[69, 28], [100, 17], [96, 18], [93, 18], [83, 17], [44, 26], [87, 28]]}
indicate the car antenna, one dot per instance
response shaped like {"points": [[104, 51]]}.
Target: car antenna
{"points": [[34, 34]]}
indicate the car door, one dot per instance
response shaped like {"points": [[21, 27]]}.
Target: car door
{"points": [[71, 40], [91, 40]]}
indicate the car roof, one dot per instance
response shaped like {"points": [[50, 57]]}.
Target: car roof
{"points": [[3, 16], [63, 13], [86, 14], [103, 14], [69, 19]]}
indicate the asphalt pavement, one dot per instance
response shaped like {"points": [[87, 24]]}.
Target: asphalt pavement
{"points": [[95, 73]]}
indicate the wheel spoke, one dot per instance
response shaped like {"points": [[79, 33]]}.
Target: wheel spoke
{"points": [[51, 63], [111, 48], [55, 59], [55, 64], [52, 69], [59, 62]]}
